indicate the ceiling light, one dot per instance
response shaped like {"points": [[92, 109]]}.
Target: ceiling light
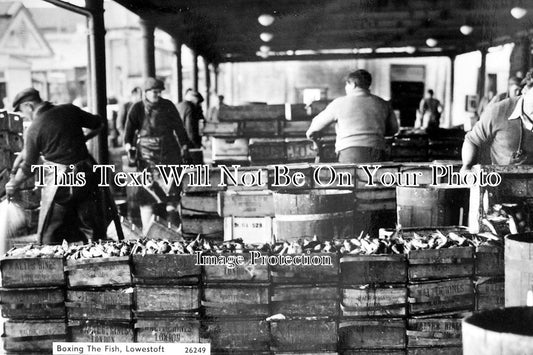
{"points": [[466, 29], [410, 49], [265, 19], [266, 36], [431, 42], [264, 49], [290, 52], [518, 12]]}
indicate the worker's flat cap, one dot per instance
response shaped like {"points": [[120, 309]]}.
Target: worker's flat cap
{"points": [[29, 94], [153, 84]]}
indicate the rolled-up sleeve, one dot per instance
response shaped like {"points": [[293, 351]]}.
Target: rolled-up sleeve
{"points": [[323, 119]]}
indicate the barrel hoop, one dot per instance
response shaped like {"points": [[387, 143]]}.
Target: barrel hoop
{"points": [[312, 217]]}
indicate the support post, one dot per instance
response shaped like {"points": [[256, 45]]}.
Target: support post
{"points": [[195, 71], [207, 85], [482, 74], [98, 76], [215, 67], [179, 68], [148, 47]]}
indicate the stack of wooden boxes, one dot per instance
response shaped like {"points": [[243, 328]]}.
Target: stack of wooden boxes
{"points": [[373, 304], [32, 299], [235, 304], [100, 300]]}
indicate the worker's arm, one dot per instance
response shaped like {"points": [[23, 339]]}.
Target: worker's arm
{"points": [[22, 166], [321, 121], [391, 126], [181, 131], [480, 134], [469, 155], [133, 124]]}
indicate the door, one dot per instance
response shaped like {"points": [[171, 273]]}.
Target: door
{"points": [[407, 89]]}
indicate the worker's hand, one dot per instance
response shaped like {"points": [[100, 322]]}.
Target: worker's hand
{"points": [[11, 189], [127, 147], [186, 154]]}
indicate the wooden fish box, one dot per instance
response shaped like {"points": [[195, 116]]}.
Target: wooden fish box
{"points": [[29, 199], [441, 296], [490, 293], [82, 331], [162, 269], [374, 302], [295, 128], [327, 272], [224, 148], [489, 261], [106, 305], [33, 303], [247, 178], [252, 230], [98, 272], [33, 335], [270, 128], [6, 159], [246, 204], [210, 177], [372, 334], [167, 301], [299, 150], [161, 330], [251, 112], [305, 301], [247, 272], [212, 226], [430, 332], [451, 350], [244, 300], [238, 334], [221, 129], [374, 352], [373, 269], [32, 272], [279, 177], [334, 176], [304, 335], [441, 263], [199, 204], [267, 150]]}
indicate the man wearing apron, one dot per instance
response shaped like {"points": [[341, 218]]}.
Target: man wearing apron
{"points": [[68, 213], [161, 140]]}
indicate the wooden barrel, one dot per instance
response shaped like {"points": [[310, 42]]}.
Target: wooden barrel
{"points": [[518, 268], [432, 206], [327, 214], [499, 332]]}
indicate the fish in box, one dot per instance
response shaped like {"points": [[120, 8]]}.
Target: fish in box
{"points": [[372, 334], [161, 330], [327, 272], [32, 272], [100, 304], [33, 335], [248, 334], [247, 272], [304, 335], [305, 301], [244, 300], [165, 269], [82, 331], [167, 301], [98, 272], [373, 269], [33, 303], [441, 296], [374, 302]]}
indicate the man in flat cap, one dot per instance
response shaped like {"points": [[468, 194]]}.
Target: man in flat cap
{"points": [[56, 134], [161, 140], [191, 114]]}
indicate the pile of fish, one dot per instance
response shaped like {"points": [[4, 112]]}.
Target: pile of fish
{"points": [[506, 218], [393, 242]]}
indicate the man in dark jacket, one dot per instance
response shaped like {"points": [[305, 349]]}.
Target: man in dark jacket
{"points": [[191, 114], [161, 140], [56, 133]]}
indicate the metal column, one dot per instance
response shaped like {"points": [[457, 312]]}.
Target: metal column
{"points": [[195, 71], [97, 72], [482, 74], [179, 68], [215, 69], [148, 47], [207, 84]]}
